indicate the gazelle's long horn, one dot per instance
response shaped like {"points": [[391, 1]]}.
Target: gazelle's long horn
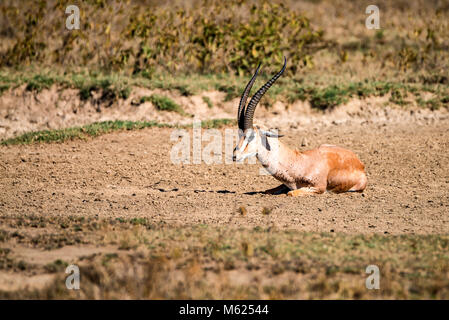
{"points": [[245, 94], [249, 113]]}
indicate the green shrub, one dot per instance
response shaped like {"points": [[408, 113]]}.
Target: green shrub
{"points": [[4, 87], [39, 82], [208, 102], [328, 97], [163, 103]]}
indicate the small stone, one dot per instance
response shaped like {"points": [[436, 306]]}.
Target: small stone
{"points": [[304, 142], [266, 211], [242, 210]]}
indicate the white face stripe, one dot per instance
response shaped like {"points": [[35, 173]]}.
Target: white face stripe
{"points": [[247, 156], [245, 142]]}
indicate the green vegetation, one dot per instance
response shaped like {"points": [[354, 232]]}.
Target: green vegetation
{"points": [[111, 87], [90, 130], [56, 266], [163, 103], [217, 123], [3, 88], [208, 102], [99, 128], [109, 90], [322, 95], [39, 82], [334, 95]]}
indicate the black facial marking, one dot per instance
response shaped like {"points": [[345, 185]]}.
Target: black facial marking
{"points": [[265, 142]]}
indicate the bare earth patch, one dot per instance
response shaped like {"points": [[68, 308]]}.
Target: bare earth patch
{"points": [[131, 174], [120, 209]]}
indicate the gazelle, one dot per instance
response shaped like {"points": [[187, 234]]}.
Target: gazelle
{"points": [[327, 167]]}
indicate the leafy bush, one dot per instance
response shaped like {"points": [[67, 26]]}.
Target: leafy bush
{"points": [[141, 36]]}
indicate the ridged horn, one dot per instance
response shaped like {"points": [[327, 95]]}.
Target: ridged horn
{"points": [[245, 94], [249, 112]]}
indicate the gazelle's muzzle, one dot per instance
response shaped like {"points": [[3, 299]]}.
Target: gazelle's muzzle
{"points": [[241, 151], [239, 157]]}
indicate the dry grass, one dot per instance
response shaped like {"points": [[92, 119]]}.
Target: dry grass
{"points": [[145, 260]]}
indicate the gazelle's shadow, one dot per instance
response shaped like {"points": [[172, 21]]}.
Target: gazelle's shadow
{"points": [[214, 191], [275, 191], [252, 193], [282, 189]]}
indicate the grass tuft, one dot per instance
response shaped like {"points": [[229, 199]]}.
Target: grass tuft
{"points": [[217, 123], [90, 130], [208, 102], [99, 128], [39, 82], [163, 103]]}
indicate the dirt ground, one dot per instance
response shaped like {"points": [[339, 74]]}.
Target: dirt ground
{"points": [[131, 174], [127, 175]]}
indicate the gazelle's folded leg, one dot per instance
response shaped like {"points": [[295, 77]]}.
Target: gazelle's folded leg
{"points": [[304, 191]]}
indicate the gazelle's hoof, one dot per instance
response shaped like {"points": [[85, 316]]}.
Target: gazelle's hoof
{"points": [[303, 192], [296, 193]]}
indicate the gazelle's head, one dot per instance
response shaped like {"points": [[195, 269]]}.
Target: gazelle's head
{"points": [[252, 138]]}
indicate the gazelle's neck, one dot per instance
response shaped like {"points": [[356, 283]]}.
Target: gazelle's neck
{"points": [[276, 158]]}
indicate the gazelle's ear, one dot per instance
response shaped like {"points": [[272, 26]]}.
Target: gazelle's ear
{"points": [[265, 143], [270, 134]]}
